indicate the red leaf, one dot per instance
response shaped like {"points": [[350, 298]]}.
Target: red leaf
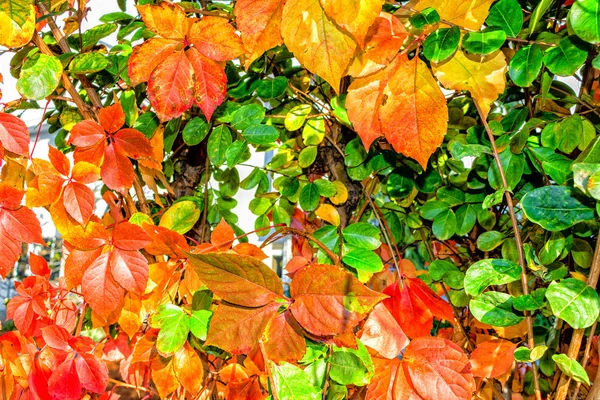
{"points": [[165, 242], [329, 300], [79, 201], [438, 369], [237, 279], [129, 269], [222, 236], [56, 337], [284, 340], [10, 197], [99, 288], [84, 172], [389, 382], [133, 143], [22, 224], [493, 358], [10, 248], [76, 264], [210, 82], [440, 308], [64, 383], [215, 38], [86, 133], [38, 265], [112, 118], [59, 161], [92, 372], [127, 236], [238, 329], [14, 135], [145, 58], [170, 86], [189, 369], [381, 332], [116, 171]]}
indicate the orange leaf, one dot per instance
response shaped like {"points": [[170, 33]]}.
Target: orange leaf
{"points": [[389, 382], [14, 135], [165, 19], [381, 332], [355, 16], [188, 369], [112, 118], [38, 265], [79, 201], [251, 250], [284, 340], [210, 82], [222, 236], [468, 14], [116, 171], [329, 300], [438, 369], [215, 38], [59, 161], [493, 358], [259, 21], [402, 102], [99, 288], [145, 58], [247, 389], [164, 376], [129, 320], [133, 143], [318, 43]]}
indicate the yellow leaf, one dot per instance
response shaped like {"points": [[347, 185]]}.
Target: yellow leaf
{"points": [[328, 213], [356, 16], [469, 14], [17, 22], [402, 102], [320, 45], [483, 77], [259, 21], [341, 195]]}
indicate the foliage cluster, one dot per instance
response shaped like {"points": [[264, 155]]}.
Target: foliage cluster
{"points": [[437, 178]]}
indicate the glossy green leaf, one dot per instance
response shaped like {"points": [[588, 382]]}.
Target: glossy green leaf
{"points": [[237, 153], [555, 207], [351, 367], [530, 302], [432, 209], [582, 253], [488, 241], [199, 322], [293, 383], [571, 367], [400, 183], [181, 216], [313, 131], [506, 14], [525, 66], [307, 156], [247, 116], [195, 131], [174, 325], [466, 217], [441, 44], [491, 271], [513, 166], [567, 57], [40, 75], [494, 308], [426, 17], [574, 302], [363, 235], [88, 63], [363, 260], [444, 225], [271, 88], [260, 134], [484, 42], [218, 142], [584, 18], [354, 153], [309, 197]]}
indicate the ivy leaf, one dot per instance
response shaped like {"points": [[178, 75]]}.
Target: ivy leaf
{"points": [[209, 82], [390, 381], [573, 301], [237, 279], [584, 19], [506, 14], [293, 383], [39, 76], [17, 22], [99, 287], [433, 359], [526, 65], [174, 325], [469, 15], [63, 382], [555, 207], [329, 300], [318, 43], [571, 368], [492, 358], [483, 77], [414, 126]]}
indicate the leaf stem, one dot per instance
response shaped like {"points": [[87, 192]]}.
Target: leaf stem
{"points": [[515, 225], [268, 367]]}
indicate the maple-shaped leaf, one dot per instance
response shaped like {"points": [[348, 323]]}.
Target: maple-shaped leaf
{"points": [[189, 369], [415, 305], [180, 63], [259, 22], [438, 369], [329, 300], [316, 41], [283, 339], [355, 16], [382, 333], [389, 382], [402, 102], [237, 279], [493, 358], [383, 41], [107, 145], [14, 135], [469, 14], [483, 76], [238, 329]]}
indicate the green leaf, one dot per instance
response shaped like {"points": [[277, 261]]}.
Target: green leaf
{"points": [[88, 63], [307, 156], [491, 271], [326, 188], [363, 260], [442, 270], [181, 216], [400, 183], [351, 367], [363, 235], [432, 209], [494, 308], [555, 207], [506, 14], [571, 368], [195, 131], [485, 42], [40, 75], [582, 253], [293, 383], [218, 142], [552, 248], [247, 116], [526, 64], [271, 88], [295, 118], [522, 354], [444, 225], [488, 241], [174, 325], [129, 104], [574, 302], [199, 322], [314, 131], [354, 153], [466, 217], [116, 16], [567, 57], [309, 197], [530, 302], [441, 44], [147, 123], [584, 19], [338, 104], [237, 153], [513, 165], [450, 195], [426, 17], [260, 134], [539, 10]]}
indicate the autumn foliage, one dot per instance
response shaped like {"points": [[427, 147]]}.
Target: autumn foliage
{"points": [[430, 165]]}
